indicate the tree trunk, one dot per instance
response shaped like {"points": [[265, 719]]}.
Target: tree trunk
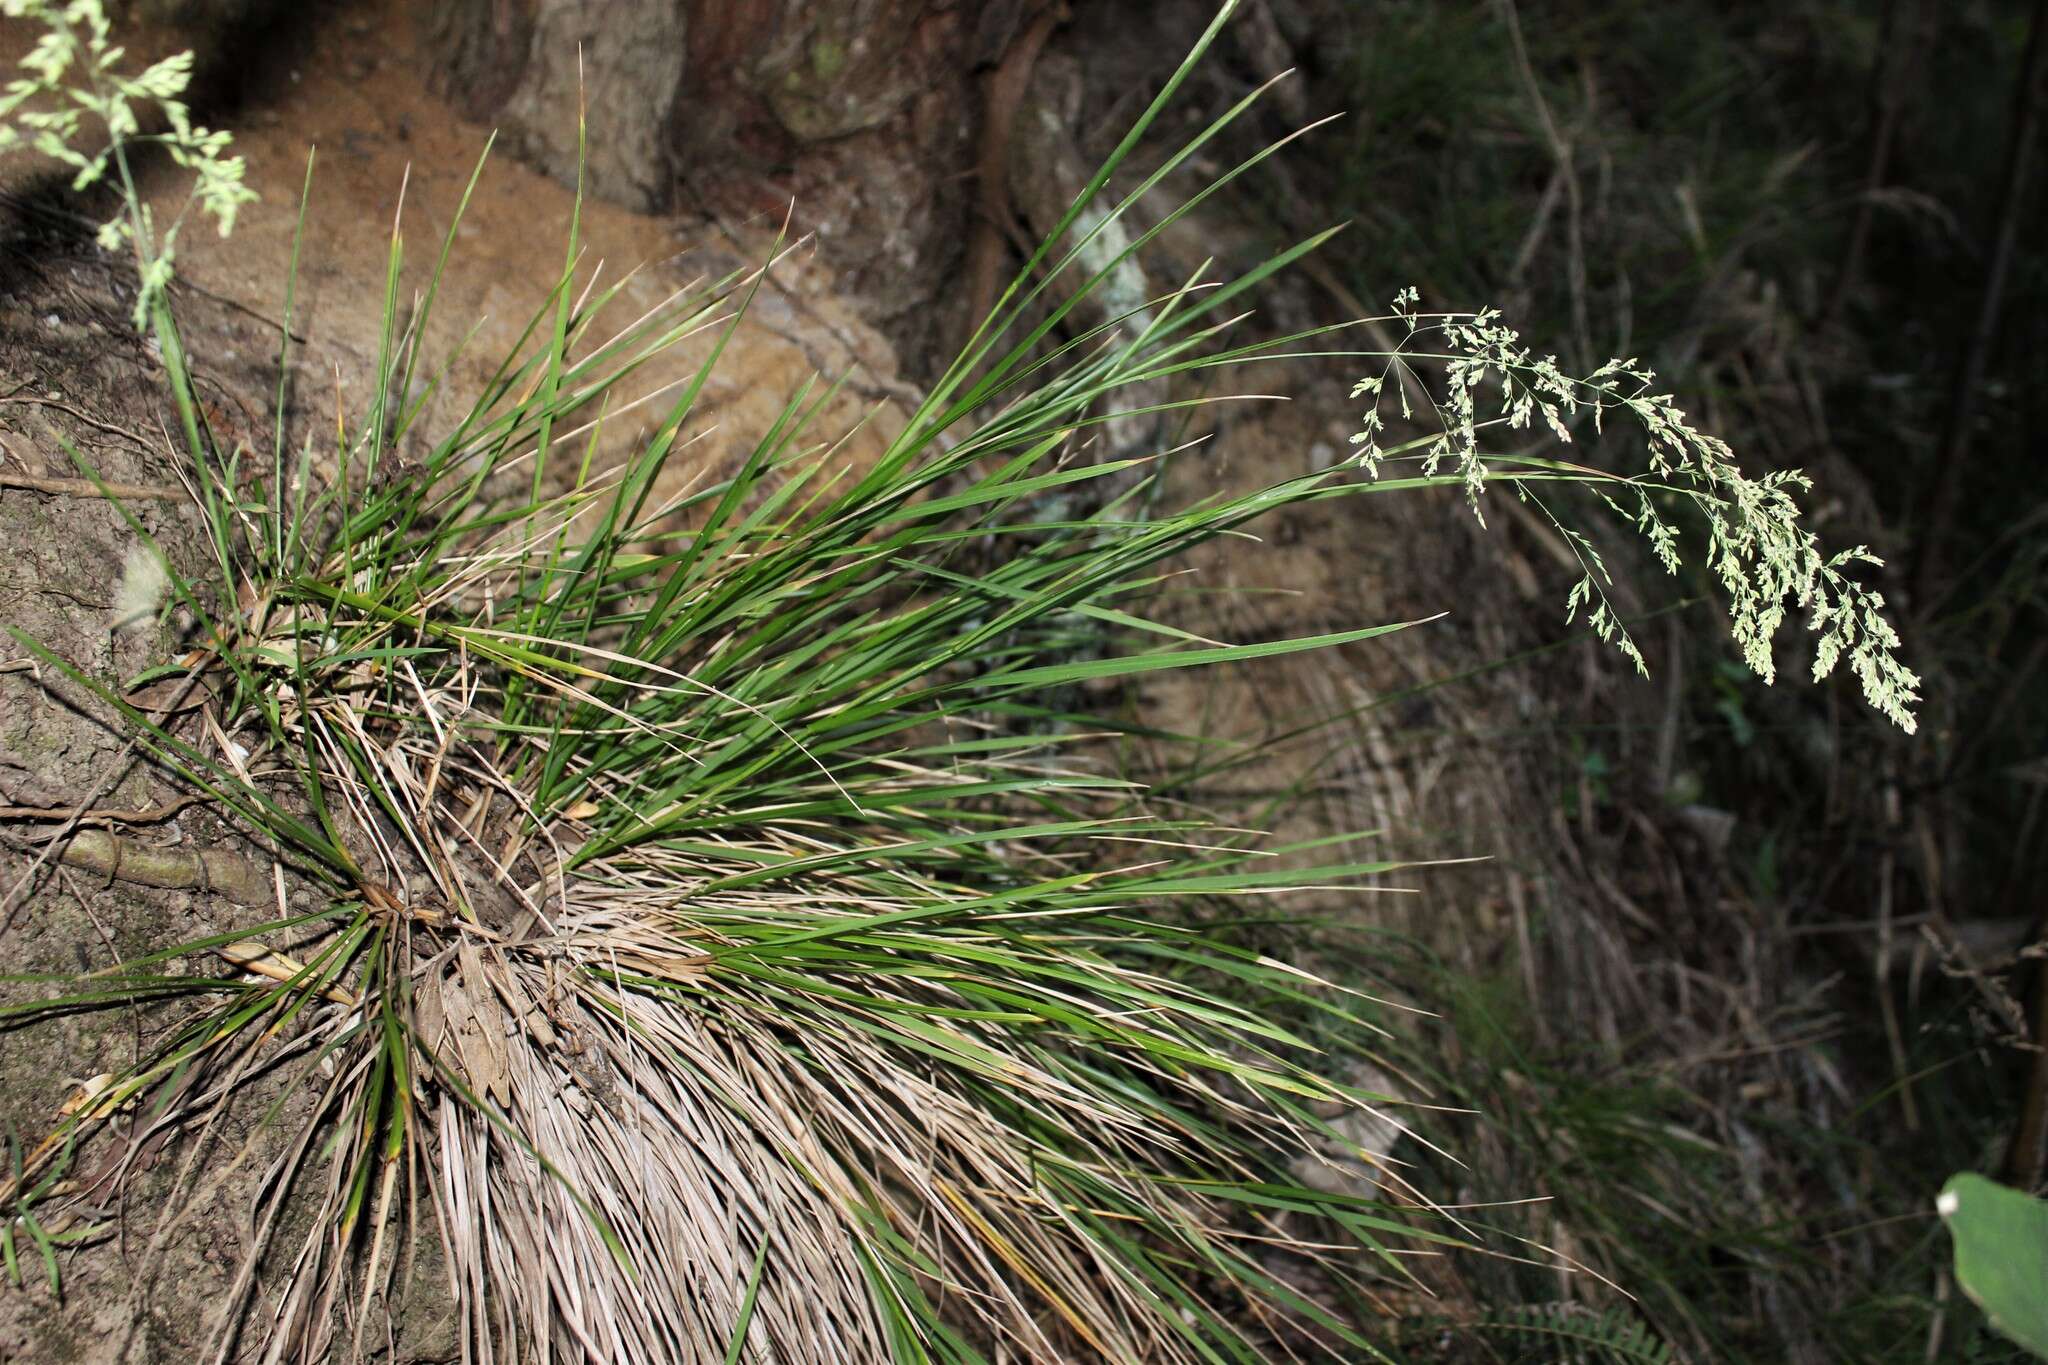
{"points": [[525, 64]]}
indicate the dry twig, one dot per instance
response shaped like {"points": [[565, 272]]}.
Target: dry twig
{"points": [[86, 488]]}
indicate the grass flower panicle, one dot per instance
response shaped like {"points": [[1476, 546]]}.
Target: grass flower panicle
{"points": [[1759, 551], [73, 75]]}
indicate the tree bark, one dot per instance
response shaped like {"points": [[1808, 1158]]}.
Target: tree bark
{"points": [[529, 66]]}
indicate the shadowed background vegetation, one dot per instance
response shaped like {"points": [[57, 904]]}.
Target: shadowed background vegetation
{"points": [[1811, 213], [1821, 221]]}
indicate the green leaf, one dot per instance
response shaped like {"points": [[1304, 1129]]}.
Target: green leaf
{"points": [[746, 1318], [1048, 675], [2001, 1238]]}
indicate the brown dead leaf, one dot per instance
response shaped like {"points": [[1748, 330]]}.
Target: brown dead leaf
{"points": [[479, 1035], [259, 960]]}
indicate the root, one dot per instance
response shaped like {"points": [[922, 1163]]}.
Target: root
{"points": [[128, 860]]}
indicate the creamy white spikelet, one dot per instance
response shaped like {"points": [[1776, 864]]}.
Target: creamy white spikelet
{"points": [[145, 581]]}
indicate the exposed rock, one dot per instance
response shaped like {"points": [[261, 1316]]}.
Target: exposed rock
{"points": [[861, 113]]}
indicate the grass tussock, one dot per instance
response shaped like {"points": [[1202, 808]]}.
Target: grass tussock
{"points": [[728, 929]]}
